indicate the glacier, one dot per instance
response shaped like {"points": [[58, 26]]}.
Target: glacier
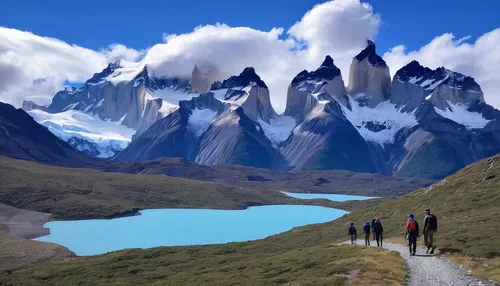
{"points": [[385, 114], [460, 114], [108, 137]]}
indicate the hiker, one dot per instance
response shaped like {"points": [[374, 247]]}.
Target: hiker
{"points": [[412, 231], [366, 229], [378, 229], [373, 228], [351, 231], [430, 227]]}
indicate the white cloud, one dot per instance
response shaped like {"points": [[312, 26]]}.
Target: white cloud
{"points": [[480, 59], [339, 28], [35, 68], [121, 52]]}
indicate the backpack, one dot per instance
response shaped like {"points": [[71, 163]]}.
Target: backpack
{"points": [[352, 229], [367, 227], [378, 227], [433, 224], [412, 225]]}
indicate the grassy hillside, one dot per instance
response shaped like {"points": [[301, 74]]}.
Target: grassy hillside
{"points": [[320, 181], [281, 260], [466, 204], [85, 193]]}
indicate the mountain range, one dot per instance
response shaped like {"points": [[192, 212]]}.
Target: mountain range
{"points": [[421, 123]]}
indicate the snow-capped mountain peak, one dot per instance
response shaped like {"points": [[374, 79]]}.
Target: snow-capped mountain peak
{"points": [[308, 89], [248, 91], [370, 53], [414, 83]]}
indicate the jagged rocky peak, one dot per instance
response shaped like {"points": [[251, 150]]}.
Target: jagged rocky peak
{"points": [[100, 76], [415, 83], [369, 77], [201, 102], [246, 77], [412, 71], [370, 53], [308, 88], [327, 71], [248, 91], [202, 78]]}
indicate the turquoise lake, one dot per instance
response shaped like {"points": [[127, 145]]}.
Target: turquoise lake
{"points": [[331, 197], [172, 227]]}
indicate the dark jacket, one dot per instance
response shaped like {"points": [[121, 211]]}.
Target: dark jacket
{"points": [[430, 222], [351, 230], [377, 228]]}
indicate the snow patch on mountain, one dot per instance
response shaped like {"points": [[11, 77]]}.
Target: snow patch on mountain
{"points": [[108, 136], [379, 124], [126, 72], [278, 129], [460, 114], [235, 96], [200, 120], [431, 84], [172, 96]]}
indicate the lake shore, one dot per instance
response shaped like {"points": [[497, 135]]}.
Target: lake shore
{"points": [[23, 223]]}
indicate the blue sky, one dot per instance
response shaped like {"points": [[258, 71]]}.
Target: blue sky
{"points": [[139, 24]]}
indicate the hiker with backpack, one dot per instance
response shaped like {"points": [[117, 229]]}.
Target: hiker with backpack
{"points": [[430, 227], [351, 231], [366, 229], [378, 229], [412, 232]]}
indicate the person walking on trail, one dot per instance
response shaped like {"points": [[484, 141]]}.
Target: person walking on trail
{"points": [[412, 231], [378, 229], [367, 228], [373, 228], [351, 231], [430, 227]]}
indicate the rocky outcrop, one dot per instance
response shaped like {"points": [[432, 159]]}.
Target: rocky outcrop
{"points": [[126, 101], [369, 77], [30, 105], [327, 140], [218, 127], [249, 92], [414, 83], [203, 78], [308, 88], [455, 89], [176, 135], [234, 138]]}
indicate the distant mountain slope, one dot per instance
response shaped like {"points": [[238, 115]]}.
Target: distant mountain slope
{"points": [[69, 193], [22, 137], [318, 181]]}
